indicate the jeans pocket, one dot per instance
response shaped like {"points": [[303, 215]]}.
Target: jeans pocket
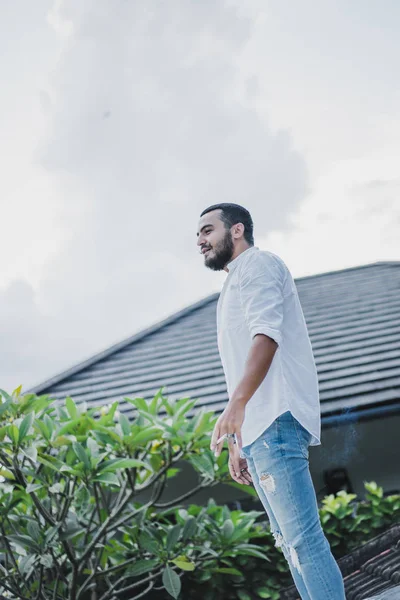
{"points": [[304, 437]]}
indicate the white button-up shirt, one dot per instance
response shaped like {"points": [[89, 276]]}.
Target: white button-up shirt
{"points": [[260, 296]]}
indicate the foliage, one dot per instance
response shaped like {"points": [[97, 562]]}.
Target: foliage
{"points": [[81, 516], [71, 523], [348, 524], [252, 563]]}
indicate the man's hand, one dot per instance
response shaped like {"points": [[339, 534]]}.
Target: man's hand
{"points": [[230, 421], [244, 475]]}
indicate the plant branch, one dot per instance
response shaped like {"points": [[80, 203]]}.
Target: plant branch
{"points": [[10, 589], [11, 554], [180, 498], [102, 529], [160, 473], [132, 586], [43, 511], [144, 593]]}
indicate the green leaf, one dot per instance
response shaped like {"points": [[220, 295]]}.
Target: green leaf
{"points": [[107, 478], [184, 563], [141, 567], [264, 592], [82, 499], [168, 405], [70, 426], [139, 403], [189, 528], [172, 472], [33, 487], [186, 406], [147, 542], [56, 488], [153, 406], [24, 541], [243, 595], [228, 571], [125, 425], [26, 425], [41, 403], [46, 560], [51, 461], [17, 391], [71, 531], [31, 452], [81, 454], [147, 434], [173, 536], [50, 533], [171, 581], [203, 464], [121, 463], [252, 550], [26, 563], [6, 473], [5, 405], [13, 433], [71, 408], [39, 425], [33, 530], [49, 423], [227, 529], [5, 395]]}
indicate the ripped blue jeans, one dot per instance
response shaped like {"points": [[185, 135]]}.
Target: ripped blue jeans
{"points": [[278, 464]]}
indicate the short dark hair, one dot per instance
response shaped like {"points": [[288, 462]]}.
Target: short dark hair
{"points": [[232, 214]]}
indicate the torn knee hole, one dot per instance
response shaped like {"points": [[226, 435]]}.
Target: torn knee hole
{"points": [[278, 539], [267, 482], [294, 558]]}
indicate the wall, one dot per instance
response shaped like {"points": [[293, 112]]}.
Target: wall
{"points": [[369, 450]]}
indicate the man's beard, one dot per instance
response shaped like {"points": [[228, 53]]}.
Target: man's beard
{"points": [[222, 254]]}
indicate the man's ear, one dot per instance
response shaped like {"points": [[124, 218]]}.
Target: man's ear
{"points": [[238, 230]]}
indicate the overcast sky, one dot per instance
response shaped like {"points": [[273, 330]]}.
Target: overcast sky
{"points": [[121, 120]]}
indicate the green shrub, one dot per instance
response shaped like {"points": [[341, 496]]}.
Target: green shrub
{"points": [[252, 562], [71, 523], [348, 524], [81, 517]]}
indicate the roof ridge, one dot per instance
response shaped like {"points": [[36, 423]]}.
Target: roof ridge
{"points": [[172, 318], [355, 268]]}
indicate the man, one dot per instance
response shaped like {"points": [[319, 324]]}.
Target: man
{"points": [[273, 412]]}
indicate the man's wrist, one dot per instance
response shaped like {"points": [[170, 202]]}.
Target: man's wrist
{"points": [[238, 401]]}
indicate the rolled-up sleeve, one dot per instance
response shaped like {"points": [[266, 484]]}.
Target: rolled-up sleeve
{"points": [[261, 297]]}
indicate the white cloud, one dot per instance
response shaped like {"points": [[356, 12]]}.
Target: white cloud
{"points": [[122, 121], [150, 121]]}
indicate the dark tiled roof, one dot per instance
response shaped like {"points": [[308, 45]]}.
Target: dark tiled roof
{"points": [[353, 318], [370, 572]]}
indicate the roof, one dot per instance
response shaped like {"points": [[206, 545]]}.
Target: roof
{"points": [[353, 319], [371, 572]]}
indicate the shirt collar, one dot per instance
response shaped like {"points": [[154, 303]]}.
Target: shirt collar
{"points": [[236, 261]]}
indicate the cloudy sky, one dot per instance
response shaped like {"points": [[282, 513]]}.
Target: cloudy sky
{"points": [[121, 120]]}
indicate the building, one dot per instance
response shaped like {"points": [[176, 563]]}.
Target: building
{"points": [[353, 318], [371, 572]]}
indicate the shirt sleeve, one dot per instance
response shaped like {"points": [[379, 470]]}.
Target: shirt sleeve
{"points": [[261, 298]]}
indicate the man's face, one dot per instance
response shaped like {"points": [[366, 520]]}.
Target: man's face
{"points": [[213, 236]]}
